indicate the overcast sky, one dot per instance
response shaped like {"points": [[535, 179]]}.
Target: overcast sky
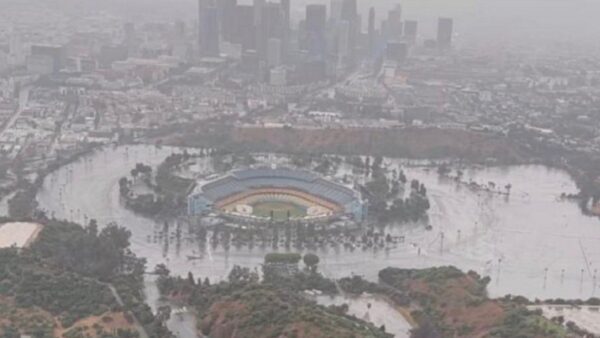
{"points": [[494, 22]]}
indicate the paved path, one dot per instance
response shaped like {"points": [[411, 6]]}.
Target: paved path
{"points": [[140, 328]]}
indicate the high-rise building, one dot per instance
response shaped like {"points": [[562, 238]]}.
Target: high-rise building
{"points": [[343, 43], [202, 4], [315, 26], [285, 42], [285, 8], [211, 38], [336, 10], [349, 10], [371, 31], [129, 38], [180, 30], [46, 59], [394, 23], [274, 47], [245, 30], [396, 51], [16, 49], [227, 12], [411, 30], [445, 30], [278, 77], [271, 26], [179, 43], [350, 15], [258, 7], [208, 18]]}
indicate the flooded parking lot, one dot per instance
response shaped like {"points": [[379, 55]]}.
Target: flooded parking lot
{"points": [[530, 243]]}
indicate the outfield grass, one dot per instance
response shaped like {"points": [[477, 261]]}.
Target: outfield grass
{"points": [[280, 210]]}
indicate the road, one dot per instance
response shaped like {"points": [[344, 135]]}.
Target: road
{"points": [[140, 328]]}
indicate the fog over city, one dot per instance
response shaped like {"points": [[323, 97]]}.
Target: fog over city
{"points": [[299, 168], [566, 23]]}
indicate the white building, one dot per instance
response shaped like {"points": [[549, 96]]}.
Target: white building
{"points": [[278, 77]]}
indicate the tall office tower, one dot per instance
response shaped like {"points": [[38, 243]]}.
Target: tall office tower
{"points": [[15, 49], [371, 31], [396, 51], [259, 40], [410, 30], [227, 18], [129, 39], [394, 23], [258, 8], [336, 10], [179, 30], [444, 35], [46, 59], [271, 26], [129, 33], [350, 15], [316, 21], [285, 42], [202, 4], [343, 43], [285, 8], [274, 47], [212, 31], [209, 27], [245, 31], [179, 43]]}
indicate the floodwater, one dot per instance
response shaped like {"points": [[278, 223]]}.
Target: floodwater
{"points": [[182, 323], [586, 317], [372, 309], [530, 243]]}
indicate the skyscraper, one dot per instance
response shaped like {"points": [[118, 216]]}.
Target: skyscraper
{"points": [[444, 35], [336, 10], [227, 18], [316, 20], [350, 15], [285, 41], [394, 23], [285, 7], [245, 30], [271, 26], [274, 48], [258, 7], [202, 4], [410, 30], [343, 43], [179, 29], [208, 19], [371, 30], [396, 51]]}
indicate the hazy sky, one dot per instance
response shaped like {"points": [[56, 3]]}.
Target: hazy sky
{"points": [[493, 22]]}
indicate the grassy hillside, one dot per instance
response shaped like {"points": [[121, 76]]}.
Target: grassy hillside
{"points": [[59, 287], [265, 311], [447, 302]]}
